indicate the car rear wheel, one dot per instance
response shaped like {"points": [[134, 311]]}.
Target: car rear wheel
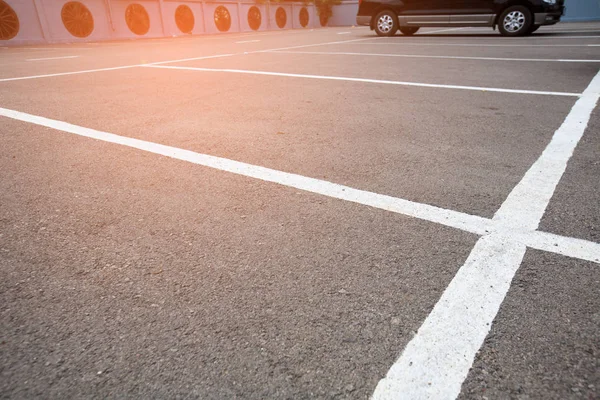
{"points": [[386, 23], [515, 21], [409, 30]]}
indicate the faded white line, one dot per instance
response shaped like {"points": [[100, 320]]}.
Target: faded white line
{"points": [[248, 41], [458, 220], [170, 61], [343, 33], [189, 59], [577, 31], [334, 53], [442, 30], [437, 360], [508, 39], [51, 58], [480, 45], [66, 73], [365, 80]]}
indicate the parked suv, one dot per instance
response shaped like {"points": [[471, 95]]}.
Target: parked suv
{"points": [[513, 17]]}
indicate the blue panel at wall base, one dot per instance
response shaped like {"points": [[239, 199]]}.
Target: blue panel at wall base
{"points": [[582, 10]]}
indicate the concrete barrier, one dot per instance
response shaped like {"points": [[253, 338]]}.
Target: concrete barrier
{"points": [[67, 21], [64, 21]]}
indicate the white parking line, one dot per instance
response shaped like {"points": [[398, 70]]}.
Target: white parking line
{"points": [[335, 53], [442, 30], [567, 246], [51, 58], [365, 80], [65, 73], [508, 39], [248, 41], [458, 220], [577, 31], [87, 71], [343, 33], [437, 360], [172, 61], [480, 45]]}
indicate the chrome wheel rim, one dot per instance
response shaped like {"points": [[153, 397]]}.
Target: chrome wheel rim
{"points": [[385, 23], [514, 21]]}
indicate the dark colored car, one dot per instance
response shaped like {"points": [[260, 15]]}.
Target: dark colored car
{"points": [[513, 17]]}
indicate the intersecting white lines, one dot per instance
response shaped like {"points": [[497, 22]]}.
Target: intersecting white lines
{"points": [[437, 360]]}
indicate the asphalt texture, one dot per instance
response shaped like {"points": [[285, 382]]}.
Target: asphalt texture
{"points": [[125, 274]]}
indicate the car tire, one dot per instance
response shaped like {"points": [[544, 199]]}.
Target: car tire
{"points": [[386, 23], [515, 21], [409, 30]]}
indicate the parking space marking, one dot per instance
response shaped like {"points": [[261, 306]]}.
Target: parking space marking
{"points": [[566, 246], [248, 41], [455, 219], [477, 44], [340, 53], [443, 30], [571, 247], [508, 39], [437, 360], [51, 58], [343, 33], [66, 73], [364, 80], [173, 61]]}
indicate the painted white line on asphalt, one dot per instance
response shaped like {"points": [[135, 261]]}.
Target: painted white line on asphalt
{"points": [[442, 30], [570, 247], [426, 212], [364, 80], [437, 360], [248, 41], [577, 31], [312, 45], [527, 202], [110, 68], [66, 73], [566, 246], [343, 33], [504, 39], [190, 59], [480, 45], [171, 61], [334, 53], [547, 35], [51, 58]]}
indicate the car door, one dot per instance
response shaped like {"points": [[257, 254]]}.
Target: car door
{"points": [[424, 12], [471, 12]]}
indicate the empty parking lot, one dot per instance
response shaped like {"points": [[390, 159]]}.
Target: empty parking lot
{"points": [[302, 214]]}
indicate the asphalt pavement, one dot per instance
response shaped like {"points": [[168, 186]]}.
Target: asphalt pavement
{"points": [[301, 214]]}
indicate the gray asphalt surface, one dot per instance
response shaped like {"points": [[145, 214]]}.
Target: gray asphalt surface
{"points": [[574, 209], [544, 342], [127, 274]]}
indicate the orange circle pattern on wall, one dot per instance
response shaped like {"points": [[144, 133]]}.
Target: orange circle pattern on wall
{"points": [[280, 17], [77, 19], [137, 19], [304, 17], [184, 18], [222, 19], [9, 22], [254, 18]]}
